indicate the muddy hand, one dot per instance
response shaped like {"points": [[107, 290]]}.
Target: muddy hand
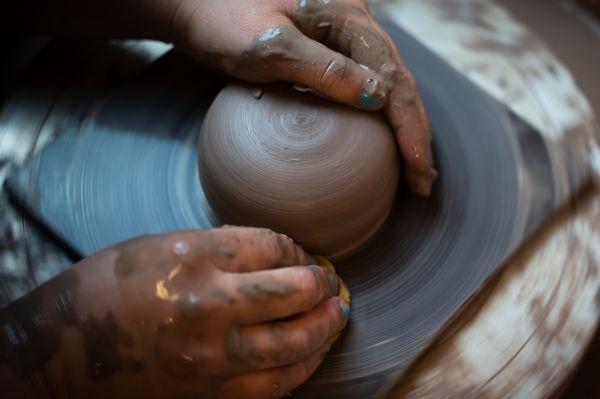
{"points": [[218, 299], [227, 313], [332, 48]]}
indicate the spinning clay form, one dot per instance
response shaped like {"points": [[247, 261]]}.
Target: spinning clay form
{"points": [[323, 173]]}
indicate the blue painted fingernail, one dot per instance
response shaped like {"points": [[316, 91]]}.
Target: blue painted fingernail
{"points": [[369, 101], [344, 307]]}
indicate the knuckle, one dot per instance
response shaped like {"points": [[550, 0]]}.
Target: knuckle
{"points": [[194, 306], [406, 79], [335, 71], [270, 241], [276, 43], [362, 8], [222, 62], [270, 236], [308, 281], [301, 342], [343, 68], [286, 251], [263, 231], [358, 12], [282, 241], [356, 8]]}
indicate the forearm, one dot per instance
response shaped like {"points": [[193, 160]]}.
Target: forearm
{"points": [[14, 381], [63, 338], [149, 19], [31, 332]]}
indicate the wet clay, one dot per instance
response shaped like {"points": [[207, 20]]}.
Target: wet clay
{"points": [[323, 173]]}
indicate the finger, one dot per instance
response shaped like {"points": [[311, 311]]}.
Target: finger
{"points": [[411, 127], [275, 382], [293, 57], [245, 249], [286, 342], [405, 110], [350, 28], [275, 294]]}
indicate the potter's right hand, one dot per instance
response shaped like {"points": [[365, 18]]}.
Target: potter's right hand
{"points": [[231, 312]]}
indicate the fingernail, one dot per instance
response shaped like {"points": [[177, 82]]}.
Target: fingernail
{"points": [[333, 282], [314, 260], [420, 185], [369, 101], [372, 99], [344, 307]]}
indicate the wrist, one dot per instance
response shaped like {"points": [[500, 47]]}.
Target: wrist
{"points": [[45, 336], [28, 343]]}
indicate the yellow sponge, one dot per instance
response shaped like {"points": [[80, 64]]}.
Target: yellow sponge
{"points": [[343, 291]]}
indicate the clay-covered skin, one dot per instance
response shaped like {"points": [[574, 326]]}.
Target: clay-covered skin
{"points": [[352, 30], [226, 313], [320, 172], [332, 48]]}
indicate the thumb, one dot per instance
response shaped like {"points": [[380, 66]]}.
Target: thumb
{"points": [[291, 56]]}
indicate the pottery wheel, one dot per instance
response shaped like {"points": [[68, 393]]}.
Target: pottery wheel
{"points": [[129, 167]]}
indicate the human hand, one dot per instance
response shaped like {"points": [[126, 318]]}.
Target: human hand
{"points": [[227, 313], [333, 48], [218, 298]]}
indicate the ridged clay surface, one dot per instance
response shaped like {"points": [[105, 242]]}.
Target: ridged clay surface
{"points": [[322, 173]]}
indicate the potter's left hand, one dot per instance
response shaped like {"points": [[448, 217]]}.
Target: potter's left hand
{"points": [[333, 48]]}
